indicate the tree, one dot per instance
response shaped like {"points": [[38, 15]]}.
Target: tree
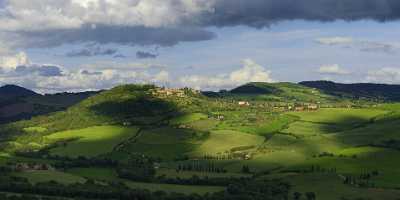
{"points": [[310, 196], [297, 195], [245, 169]]}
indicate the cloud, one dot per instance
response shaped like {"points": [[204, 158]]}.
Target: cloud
{"points": [[144, 55], [384, 75], [335, 41], [41, 70], [162, 77], [19, 65], [140, 35], [47, 78], [259, 13], [92, 51], [332, 70], [89, 73], [119, 56], [124, 65], [71, 14], [250, 72], [39, 23], [362, 45], [10, 62]]}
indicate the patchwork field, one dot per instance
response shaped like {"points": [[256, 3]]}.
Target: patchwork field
{"points": [[35, 177], [107, 174], [222, 141], [91, 141], [330, 187], [341, 116]]}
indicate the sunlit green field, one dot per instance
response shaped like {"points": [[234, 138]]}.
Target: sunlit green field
{"points": [[91, 141], [339, 115], [224, 140], [187, 118]]}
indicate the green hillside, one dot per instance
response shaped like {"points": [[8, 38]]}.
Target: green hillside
{"points": [[178, 140], [282, 92]]}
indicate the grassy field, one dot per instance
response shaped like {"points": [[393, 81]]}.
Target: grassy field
{"points": [[341, 116], [107, 174], [166, 143], [188, 118], [185, 189], [224, 140], [172, 173], [91, 141], [332, 131], [46, 176], [330, 187]]}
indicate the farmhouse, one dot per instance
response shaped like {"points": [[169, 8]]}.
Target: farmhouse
{"points": [[127, 124], [220, 117], [243, 103], [312, 107], [299, 108]]}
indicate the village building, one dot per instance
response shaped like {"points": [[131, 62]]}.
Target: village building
{"points": [[243, 103], [299, 108], [31, 167], [220, 117], [312, 107]]}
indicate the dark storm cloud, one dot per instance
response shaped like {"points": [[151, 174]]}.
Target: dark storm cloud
{"points": [[259, 13], [192, 28], [115, 34], [144, 55], [44, 70]]}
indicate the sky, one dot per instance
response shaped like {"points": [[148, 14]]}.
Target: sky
{"points": [[76, 45]]}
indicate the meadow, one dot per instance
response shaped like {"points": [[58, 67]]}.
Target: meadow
{"points": [[89, 142]]}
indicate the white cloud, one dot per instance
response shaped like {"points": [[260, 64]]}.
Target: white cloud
{"points": [[384, 75], [11, 62], [335, 40], [161, 78], [332, 70], [53, 78], [37, 15], [250, 72]]}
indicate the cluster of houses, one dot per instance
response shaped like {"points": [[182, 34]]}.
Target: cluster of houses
{"points": [[33, 167], [166, 92], [298, 108]]}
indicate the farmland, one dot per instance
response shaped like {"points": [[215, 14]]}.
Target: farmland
{"points": [[133, 137], [91, 141]]}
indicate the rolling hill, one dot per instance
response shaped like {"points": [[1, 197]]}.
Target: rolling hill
{"points": [[13, 91], [17, 103], [377, 92], [180, 140]]}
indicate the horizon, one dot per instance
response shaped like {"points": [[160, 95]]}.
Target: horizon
{"points": [[219, 90]]}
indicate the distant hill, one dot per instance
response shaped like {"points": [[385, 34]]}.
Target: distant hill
{"points": [[383, 92], [17, 103], [279, 92], [13, 91]]}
